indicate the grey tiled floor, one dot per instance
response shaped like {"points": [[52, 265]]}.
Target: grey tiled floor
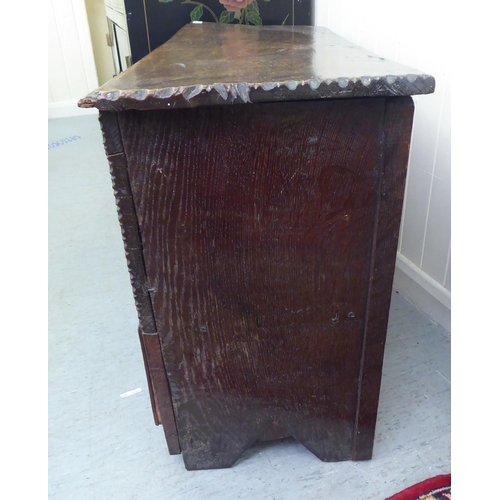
{"points": [[104, 446]]}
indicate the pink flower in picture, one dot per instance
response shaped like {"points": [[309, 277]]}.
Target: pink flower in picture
{"points": [[235, 5]]}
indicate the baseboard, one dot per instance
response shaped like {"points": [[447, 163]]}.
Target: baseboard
{"points": [[425, 293], [65, 109]]}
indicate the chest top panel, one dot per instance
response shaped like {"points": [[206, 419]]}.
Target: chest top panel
{"points": [[216, 64]]}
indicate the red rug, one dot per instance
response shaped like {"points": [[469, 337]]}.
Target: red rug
{"points": [[436, 488]]}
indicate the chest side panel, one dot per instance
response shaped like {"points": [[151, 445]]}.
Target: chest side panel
{"points": [[257, 225]]}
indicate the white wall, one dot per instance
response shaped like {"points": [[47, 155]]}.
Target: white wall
{"points": [[96, 15], [417, 36], [71, 67]]}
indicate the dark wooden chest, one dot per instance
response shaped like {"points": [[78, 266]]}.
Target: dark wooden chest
{"points": [[259, 174]]}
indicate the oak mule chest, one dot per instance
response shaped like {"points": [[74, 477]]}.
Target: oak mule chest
{"points": [[259, 175]]}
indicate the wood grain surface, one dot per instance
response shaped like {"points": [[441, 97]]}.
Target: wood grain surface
{"points": [[218, 64], [397, 136], [158, 385], [262, 247]]}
